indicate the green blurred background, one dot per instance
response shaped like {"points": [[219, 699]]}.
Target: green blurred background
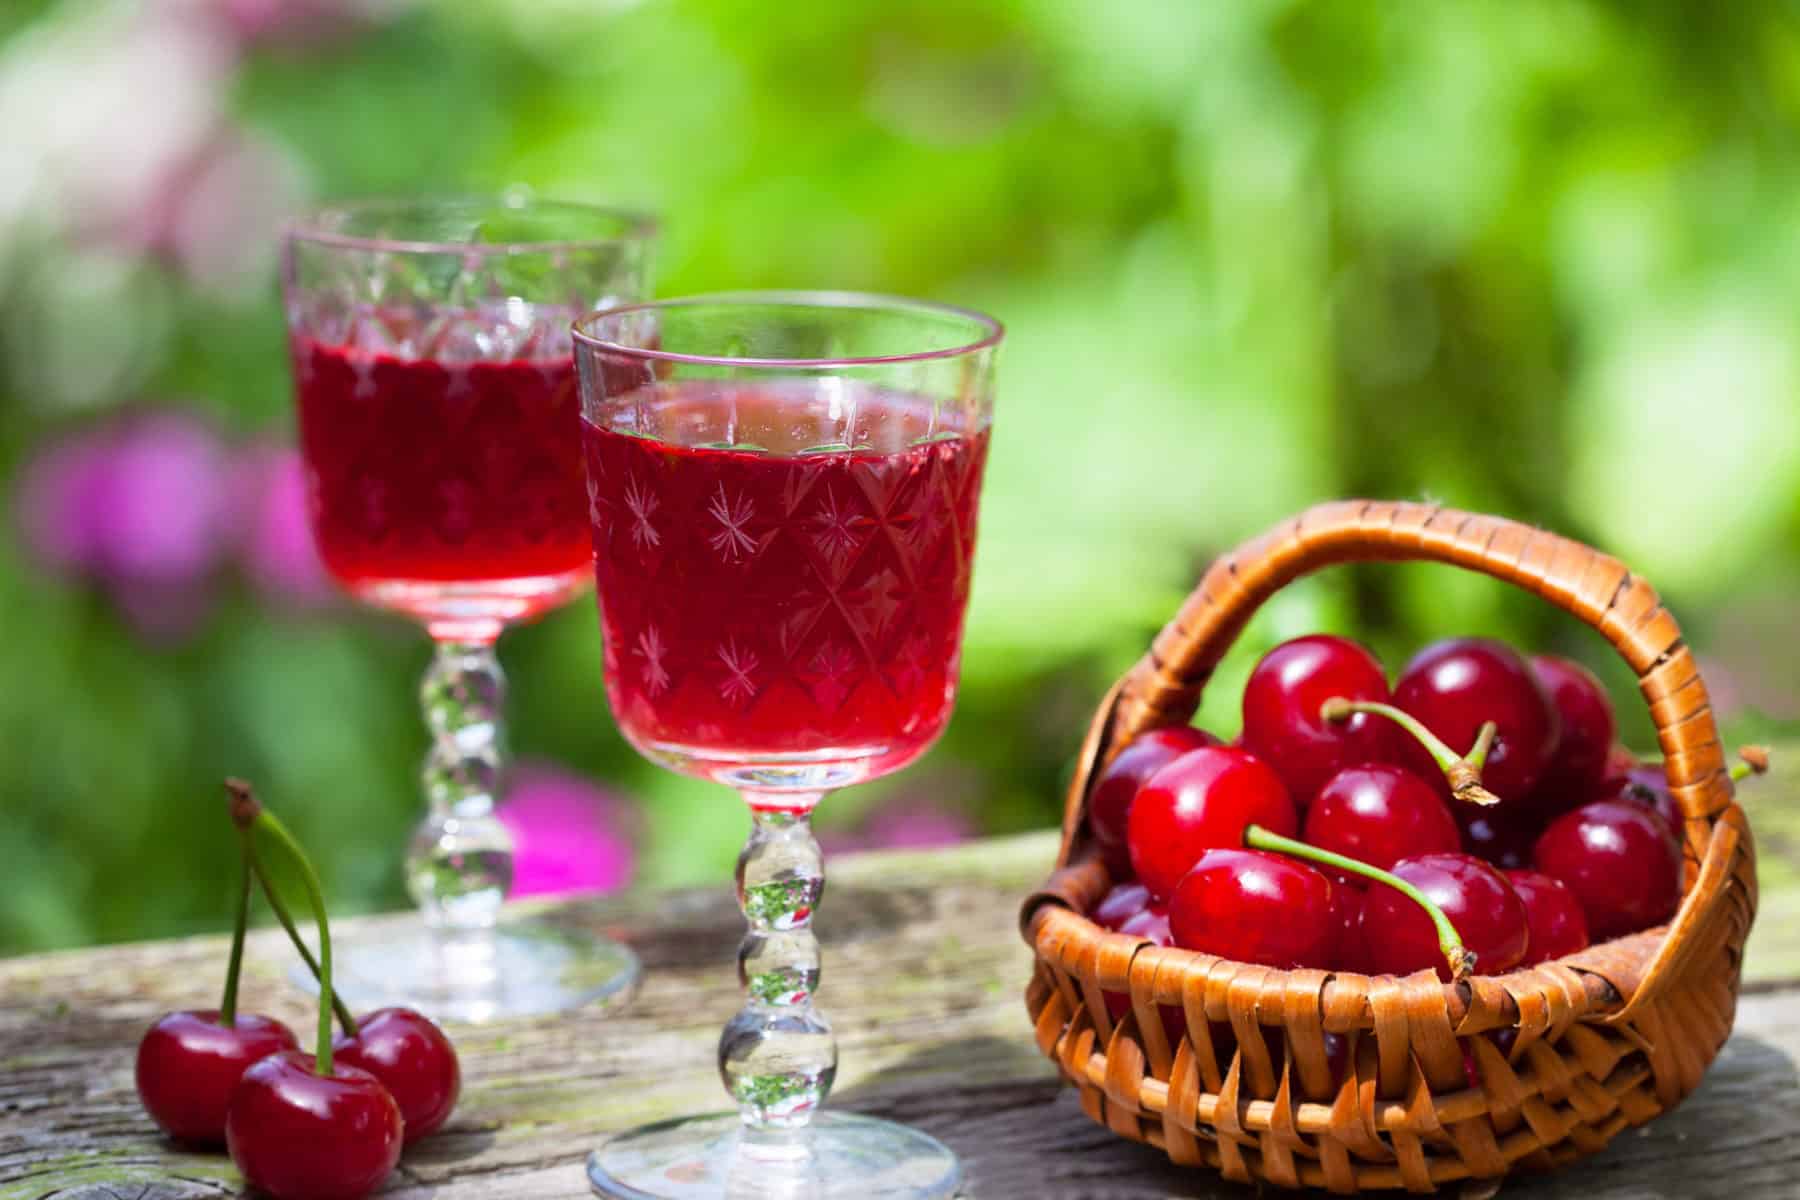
{"points": [[1536, 257]]}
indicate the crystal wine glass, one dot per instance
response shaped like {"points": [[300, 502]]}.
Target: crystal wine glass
{"points": [[783, 492], [438, 414]]}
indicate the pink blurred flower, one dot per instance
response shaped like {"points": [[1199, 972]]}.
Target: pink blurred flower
{"points": [[275, 542], [213, 214], [915, 826], [570, 835], [902, 824], [293, 23]]}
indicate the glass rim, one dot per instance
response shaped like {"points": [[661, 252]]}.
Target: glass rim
{"points": [[994, 331], [636, 225]]}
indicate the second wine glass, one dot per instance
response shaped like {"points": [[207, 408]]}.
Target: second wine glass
{"points": [[437, 410]]}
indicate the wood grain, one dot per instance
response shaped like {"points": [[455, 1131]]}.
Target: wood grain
{"points": [[924, 973]]}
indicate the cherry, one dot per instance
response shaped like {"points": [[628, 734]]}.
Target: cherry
{"points": [[1203, 800], [189, 1062], [1109, 800], [1379, 814], [1501, 836], [303, 1126], [1621, 862], [1456, 685], [1124, 901], [1586, 718], [1645, 786], [1399, 938], [299, 1134], [1554, 915], [1282, 722], [412, 1057], [1253, 906]]}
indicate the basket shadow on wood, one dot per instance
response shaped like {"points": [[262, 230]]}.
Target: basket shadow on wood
{"points": [[1351, 1082]]}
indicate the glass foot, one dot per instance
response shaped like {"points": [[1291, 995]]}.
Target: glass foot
{"points": [[837, 1155], [518, 969]]}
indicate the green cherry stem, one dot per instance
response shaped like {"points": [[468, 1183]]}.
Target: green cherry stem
{"points": [[1463, 771], [249, 814], [276, 903], [234, 967], [1755, 762], [1459, 956]]}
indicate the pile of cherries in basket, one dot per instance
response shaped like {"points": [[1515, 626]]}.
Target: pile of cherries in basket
{"points": [[324, 1126], [1476, 816]]}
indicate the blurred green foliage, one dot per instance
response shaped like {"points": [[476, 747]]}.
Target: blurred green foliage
{"points": [[1538, 257]]}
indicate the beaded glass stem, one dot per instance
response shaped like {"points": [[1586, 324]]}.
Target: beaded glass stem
{"points": [[437, 403], [783, 491]]}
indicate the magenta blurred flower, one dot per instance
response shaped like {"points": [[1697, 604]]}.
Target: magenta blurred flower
{"points": [[275, 542], [570, 835], [139, 502], [149, 507]]}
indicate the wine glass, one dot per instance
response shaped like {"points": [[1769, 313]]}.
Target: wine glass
{"points": [[783, 492], [438, 415]]}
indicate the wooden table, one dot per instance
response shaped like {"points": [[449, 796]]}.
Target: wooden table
{"points": [[924, 977]]}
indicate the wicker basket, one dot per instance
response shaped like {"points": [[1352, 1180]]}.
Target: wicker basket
{"points": [[1607, 1038]]}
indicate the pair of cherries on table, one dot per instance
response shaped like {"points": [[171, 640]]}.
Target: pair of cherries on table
{"points": [[1345, 830], [324, 1126]]}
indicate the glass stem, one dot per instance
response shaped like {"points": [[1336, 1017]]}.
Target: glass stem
{"points": [[459, 867], [777, 1056]]}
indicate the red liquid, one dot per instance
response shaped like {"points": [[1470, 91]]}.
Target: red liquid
{"points": [[764, 605], [444, 488]]}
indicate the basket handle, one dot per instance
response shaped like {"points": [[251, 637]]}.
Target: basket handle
{"points": [[1164, 687]]}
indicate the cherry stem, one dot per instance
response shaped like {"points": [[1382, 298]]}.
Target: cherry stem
{"points": [[1755, 762], [234, 967], [344, 1016], [251, 816], [1460, 958], [1463, 771]]}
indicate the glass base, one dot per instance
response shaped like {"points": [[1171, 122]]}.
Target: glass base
{"points": [[839, 1155], [473, 611], [520, 968]]}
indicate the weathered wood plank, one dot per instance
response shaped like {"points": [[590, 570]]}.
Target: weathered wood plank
{"points": [[923, 980]]}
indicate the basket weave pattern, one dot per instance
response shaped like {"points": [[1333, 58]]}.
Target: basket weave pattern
{"points": [[1606, 1038]]}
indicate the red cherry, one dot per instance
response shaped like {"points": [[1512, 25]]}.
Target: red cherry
{"points": [[1454, 686], [188, 1064], [1109, 800], [1124, 901], [1255, 907], [414, 1061], [1202, 800], [1620, 861], [1379, 814], [1558, 926], [1498, 835], [1646, 786], [1346, 928], [1282, 725], [1399, 938], [298, 1135], [1586, 717]]}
